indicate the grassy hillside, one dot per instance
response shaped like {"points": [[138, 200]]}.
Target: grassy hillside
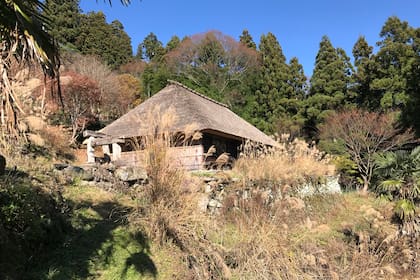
{"points": [[59, 227]]}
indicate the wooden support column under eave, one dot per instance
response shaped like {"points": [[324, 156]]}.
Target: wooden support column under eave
{"points": [[116, 151], [90, 150]]}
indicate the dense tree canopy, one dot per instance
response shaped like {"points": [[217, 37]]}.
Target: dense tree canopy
{"points": [[212, 62], [394, 63], [108, 41], [362, 54], [329, 90], [65, 16], [272, 83]]}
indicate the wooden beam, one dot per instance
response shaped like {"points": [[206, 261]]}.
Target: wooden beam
{"points": [[89, 133], [107, 140]]}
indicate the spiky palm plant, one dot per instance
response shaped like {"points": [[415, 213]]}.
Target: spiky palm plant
{"points": [[23, 41], [399, 179]]}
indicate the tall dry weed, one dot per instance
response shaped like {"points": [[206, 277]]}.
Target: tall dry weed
{"points": [[291, 163], [167, 207]]}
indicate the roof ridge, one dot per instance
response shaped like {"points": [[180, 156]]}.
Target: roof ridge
{"points": [[197, 93]]}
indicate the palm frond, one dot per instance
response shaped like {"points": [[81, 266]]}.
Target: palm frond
{"points": [[405, 209], [124, 2], [391, 185]]}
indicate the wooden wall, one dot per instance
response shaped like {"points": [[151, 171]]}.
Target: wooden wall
{"points": [[188, 157]]}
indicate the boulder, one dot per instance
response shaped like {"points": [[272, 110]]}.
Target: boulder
{"points": [[60, 166], [73, 171], [128, 174]]}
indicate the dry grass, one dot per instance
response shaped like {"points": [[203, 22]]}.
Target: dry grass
{"points": [[167, 208], [286, 239], [332, 237], [292, 163], [57, 139]]}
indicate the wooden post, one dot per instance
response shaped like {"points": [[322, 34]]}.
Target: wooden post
{"points": [[90, 150], [116, 151]]}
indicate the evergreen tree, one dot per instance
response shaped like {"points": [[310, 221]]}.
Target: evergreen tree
{"points": [[108, 41], [247, 40], [139, 54], [293, 120], [331, 73], [154, 78], [121, 52], [298, 79], [410, 113], [363, 62], [172, 44], [273, 85], [394, 64], [152, 48], [329, 84], [65, 20]]}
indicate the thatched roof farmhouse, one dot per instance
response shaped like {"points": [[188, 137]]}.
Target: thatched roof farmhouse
{"points": [[218, 125]]}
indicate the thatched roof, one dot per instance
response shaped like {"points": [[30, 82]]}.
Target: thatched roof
{"points": [[189, 107]]}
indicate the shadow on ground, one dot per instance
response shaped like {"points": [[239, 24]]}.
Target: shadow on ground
{"points": [[100, 243]]}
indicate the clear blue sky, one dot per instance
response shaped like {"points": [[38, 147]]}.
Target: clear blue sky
{"points": [[297, 24]]}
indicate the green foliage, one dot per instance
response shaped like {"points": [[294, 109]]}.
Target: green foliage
{"points": [[108, 41], [172, 44], [151, 48], [329, 83], [364, 64], [273, 86], [410, 111], [154, 78], [345, 166], [65, 20], [31, 221], [394, 64], [398, 175], [247, 40]]}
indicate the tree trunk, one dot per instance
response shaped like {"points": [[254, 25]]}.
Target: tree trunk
{"points": [[365, 185]]}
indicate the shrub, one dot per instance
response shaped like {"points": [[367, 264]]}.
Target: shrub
{"points": [[31, 221], [365, 134], [399, 179]]}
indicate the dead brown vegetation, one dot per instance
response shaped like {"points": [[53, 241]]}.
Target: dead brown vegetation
{"points": [[167, 208], [322, 237], [291, 163]]}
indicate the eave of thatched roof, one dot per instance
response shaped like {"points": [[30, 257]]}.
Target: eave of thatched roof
{"points": [[188, 108]]}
